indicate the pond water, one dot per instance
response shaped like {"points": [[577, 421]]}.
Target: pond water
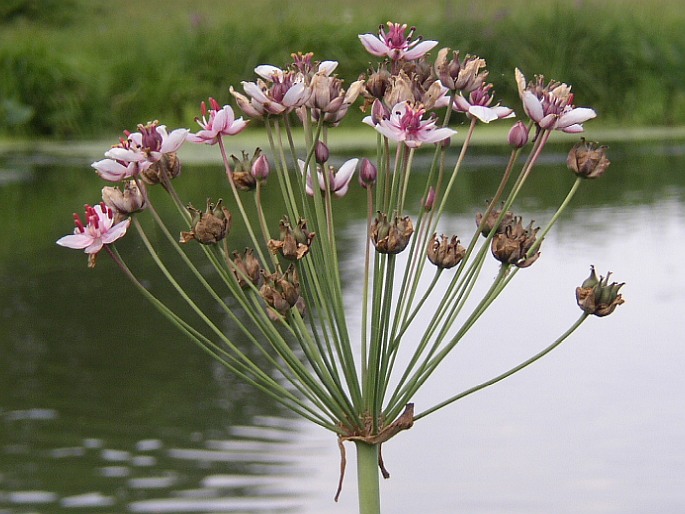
{"points": [[106, 409]]}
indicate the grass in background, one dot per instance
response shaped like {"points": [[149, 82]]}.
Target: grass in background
{"points": [[86, 68]]}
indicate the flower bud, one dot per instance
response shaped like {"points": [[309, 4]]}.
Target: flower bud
{"points": [[519, 135], [208, 227], [445, 253], [389, 237], [321, 152], [260, 167], [430, 199], [367, 173], [587, 159], [597, 296]]}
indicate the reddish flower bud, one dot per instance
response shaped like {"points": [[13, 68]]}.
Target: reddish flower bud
{"points": [[518, 135], [321, 152], [367, 173]]}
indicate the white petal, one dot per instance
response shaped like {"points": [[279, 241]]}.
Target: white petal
{"points": [[419, 50], [374, 45], [575, 116], [484, 114], [328, 67], [117, 231], [532, 106], [344, 175], [76, 241], [267, 71]]}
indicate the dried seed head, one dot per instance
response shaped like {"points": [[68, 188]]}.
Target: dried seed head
{"points": [[512, 243], [444, 252], [208, 227], [588, 159], [597, 296], [391, 237]]}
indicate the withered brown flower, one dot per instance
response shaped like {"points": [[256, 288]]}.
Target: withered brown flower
{"points": [[588, 159], [444, 252], [512, 243], [391, 237], [597, 296], [294, 241], [208, 227]]}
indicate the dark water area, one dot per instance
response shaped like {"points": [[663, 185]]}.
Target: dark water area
{"points": [[105, 408]]}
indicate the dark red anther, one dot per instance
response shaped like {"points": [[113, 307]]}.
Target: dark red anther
{"points": [[215, 104], [79, 223]]}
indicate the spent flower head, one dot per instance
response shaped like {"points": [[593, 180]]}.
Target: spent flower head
{"points": [[588, 159], [597, 296], [208, 227]]}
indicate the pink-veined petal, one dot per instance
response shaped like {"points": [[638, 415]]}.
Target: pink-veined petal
{"points": [[504, 112], [95, 246], [461, 104], [484, 114], [573, 129], [344, 175], [117, 231], [295, 96], [111, 170], [267, 71], [419, 50], [374, 45], [327, 67], [125, 154], [173, 141], [75, 241], [576, 116], [532, 106]]}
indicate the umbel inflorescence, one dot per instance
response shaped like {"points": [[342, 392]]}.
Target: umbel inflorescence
{"points": [[285, 289]]}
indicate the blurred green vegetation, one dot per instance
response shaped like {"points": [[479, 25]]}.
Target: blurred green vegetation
{"points": [[80, 68]]}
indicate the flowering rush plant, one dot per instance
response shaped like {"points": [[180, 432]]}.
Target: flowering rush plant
{"points": [[284, 293]]}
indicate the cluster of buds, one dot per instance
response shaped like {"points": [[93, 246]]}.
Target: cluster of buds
{"points": [[445, 252], [246, 171], [512, 243], [208, 227], [588, 159], [281, 291], [294, 240], [597, 296], [391, 237]]}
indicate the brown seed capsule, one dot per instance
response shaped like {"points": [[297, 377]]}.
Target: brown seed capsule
{"points": [[512, 243], [491, 221], [208, 227], [281, 292], [444, 252], [168, 166], [389, 237], [596, 296], [588, 159], [294, 242], [126, 202], [247, 268]]}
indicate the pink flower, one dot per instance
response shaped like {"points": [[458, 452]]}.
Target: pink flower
{"points": [[283, 92], [395, 44], [148, 145], [116, 171], [551, 106], [339, 180], [98, 231], [405, 124], [478, 105], [220, 122]]}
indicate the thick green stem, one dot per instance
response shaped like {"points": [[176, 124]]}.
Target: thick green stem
{"points": [[367, 478]]}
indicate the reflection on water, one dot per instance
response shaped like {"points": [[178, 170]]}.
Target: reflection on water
{"points": [[103, 408]]}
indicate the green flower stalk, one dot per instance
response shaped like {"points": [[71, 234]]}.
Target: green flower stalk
{"points": [[284, 293]]}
